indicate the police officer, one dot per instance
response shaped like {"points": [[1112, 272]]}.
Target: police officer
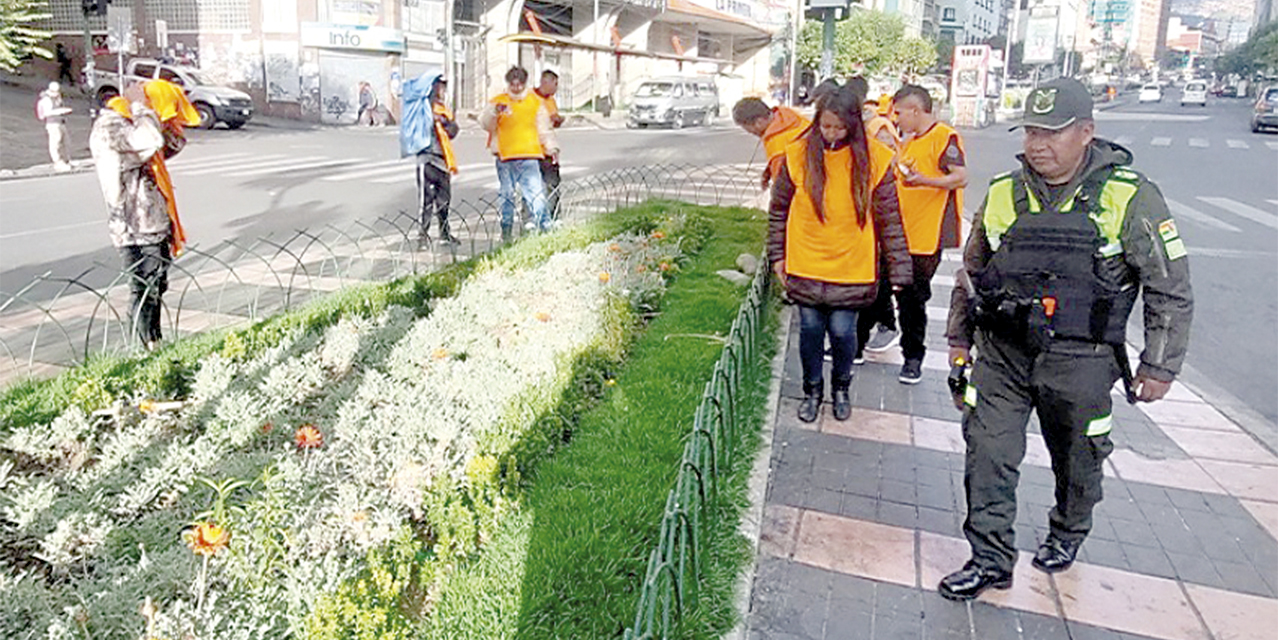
{"points": [[1058, 253]]}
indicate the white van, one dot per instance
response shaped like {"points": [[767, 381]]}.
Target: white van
{"points": [[678, 101], [1195, 92]]}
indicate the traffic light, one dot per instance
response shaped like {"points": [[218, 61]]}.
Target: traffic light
{"points": [[94, 7]]}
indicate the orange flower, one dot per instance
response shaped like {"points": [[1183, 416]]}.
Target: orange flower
{"points": [[439, 353], [206, 538], [267, 427], [641, 268], [308, 436], [543, 316], [658, 235], [614, 247], [604, 277], [665, 266]]}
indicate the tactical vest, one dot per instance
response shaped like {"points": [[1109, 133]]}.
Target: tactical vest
{"points": [[1057, 273]]}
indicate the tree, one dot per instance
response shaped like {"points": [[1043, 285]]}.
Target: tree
{"points": [[1259, 54], [19, 39], [868, 42]]}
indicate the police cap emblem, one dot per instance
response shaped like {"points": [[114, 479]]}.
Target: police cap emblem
{"points": [[1044, 101]]}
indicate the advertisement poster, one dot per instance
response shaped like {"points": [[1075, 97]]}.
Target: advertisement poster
{"points": [[1040, 38]]}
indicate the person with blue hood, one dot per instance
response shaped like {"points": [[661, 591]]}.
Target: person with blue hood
{"points": [[426, 131]]}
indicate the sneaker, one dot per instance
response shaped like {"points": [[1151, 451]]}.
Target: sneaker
{"points": [[911, 371], [859, 358], [882, 340]]}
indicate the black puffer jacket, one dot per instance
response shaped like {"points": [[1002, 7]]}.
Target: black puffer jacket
{"points": [[891, 238]]}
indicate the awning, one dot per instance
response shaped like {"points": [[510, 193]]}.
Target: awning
{"points": [[550, 40], [710, 20]]}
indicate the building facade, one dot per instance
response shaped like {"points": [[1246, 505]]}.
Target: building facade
{"points": [[968, 21]]}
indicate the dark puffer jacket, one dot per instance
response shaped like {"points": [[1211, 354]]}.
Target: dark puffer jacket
{"points": [[891, 239]]}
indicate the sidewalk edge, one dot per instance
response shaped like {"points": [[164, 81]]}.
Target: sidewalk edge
{"points": [[752, 521]]}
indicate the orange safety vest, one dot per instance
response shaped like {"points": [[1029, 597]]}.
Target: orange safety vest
{"points": [[445, 143], [922, 208], [878, 123], [839, 250], [786, 127], [517, 134]]}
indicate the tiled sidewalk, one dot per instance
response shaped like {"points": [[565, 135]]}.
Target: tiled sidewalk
{"points": [[862, 518]]}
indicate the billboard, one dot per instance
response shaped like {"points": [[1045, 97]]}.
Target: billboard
{"points": [[1040, 38]]}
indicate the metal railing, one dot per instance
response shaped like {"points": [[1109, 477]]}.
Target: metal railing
{"points": [[61, 320], [676, 565]]}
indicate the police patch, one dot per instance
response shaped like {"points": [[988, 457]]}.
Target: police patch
{"points": [[1175, 248], [1044, 101], [1167, 229]]}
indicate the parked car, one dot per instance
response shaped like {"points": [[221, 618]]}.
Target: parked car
{"points": [[214, 103], [1195, 92], [1151, 92], [1265, 112], [678, 101]]}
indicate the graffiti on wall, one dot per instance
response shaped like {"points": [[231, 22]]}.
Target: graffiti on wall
{"points": [[283, 71]]}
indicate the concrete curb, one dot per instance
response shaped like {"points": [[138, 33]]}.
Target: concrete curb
{"points": [[46, 170]]}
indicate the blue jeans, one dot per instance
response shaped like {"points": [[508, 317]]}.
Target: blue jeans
{"points": [[526, 174], [814, 324]]}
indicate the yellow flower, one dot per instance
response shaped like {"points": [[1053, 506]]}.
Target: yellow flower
{"points": [[439, 353], [604, 277], [543, 316], [146, 406], [308, 436], [206, 538], [610, 382]]}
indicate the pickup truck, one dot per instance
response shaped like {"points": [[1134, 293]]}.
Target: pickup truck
{"points": [[214, 103]]}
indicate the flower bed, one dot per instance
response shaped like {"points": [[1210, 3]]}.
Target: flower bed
{"points": [[317, 478]]}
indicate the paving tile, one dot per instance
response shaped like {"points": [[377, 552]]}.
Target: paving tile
{"points": [[1148, 561], [1266, 513], [1215, 445], [823, 499], [1036, 451], [940, 497], [858, 507], [1136, 533], [1235, 616], [1177, 539], [880, 426], [939, 521], [1182, 474], [994, 623], [1195, 569], [1036, 627], [1127, 602], [847, 623], [779, 530], [899, 515], [942, 617], [1250, 481], [896, 491], [852, 592], [1243, 578], [938, 435], [1106, 553], [1187, 414], [856, 547]]}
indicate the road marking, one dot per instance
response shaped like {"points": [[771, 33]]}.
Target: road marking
{"points": [[297, 166], [372, 169], [1160, 142], [255, 165], [1237, 144], [1123, 140], [33, 232], [1273, 201], [183, 161], [1271, 144], [1148, 117], [1208, 252], [1251, 213], [200, 166], [1201, 143], [1185, 211]]}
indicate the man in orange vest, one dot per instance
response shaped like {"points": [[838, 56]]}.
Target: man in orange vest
{"points": [[550, 166], [932, 171], [775, 126], [520, 135]]}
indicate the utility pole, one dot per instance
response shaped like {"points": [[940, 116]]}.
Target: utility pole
{"points": [[827, 44], [450, 64], [1011, 35], [795, 25]]}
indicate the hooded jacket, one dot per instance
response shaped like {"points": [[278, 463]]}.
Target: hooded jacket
{"points": [[1163, 277]]}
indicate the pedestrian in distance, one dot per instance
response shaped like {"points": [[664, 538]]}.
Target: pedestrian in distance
{"points": [[367, 105], [426, 132], [776, 127], [520, 135], [129, 143], [1058, 254], [50, 111], [64, 65], [931, 174], [546, 90], [833, 209]]}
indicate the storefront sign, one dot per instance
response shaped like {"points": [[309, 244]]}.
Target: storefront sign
{"points": [[345, 36]]}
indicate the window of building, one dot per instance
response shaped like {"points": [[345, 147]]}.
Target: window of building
{"points": [[948, 14]]}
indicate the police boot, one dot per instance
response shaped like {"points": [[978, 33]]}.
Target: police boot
{"points": [[842, 400], [1056, 555], [810, 407], [970, 581]]}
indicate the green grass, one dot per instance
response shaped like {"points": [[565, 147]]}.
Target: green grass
{"points": [[570, 562]]}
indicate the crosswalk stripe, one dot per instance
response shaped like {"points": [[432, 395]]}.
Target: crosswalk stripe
{"points": [[296, 166], [1183, 210], [1124, 140], [254, 165], [184, 161], [1237, 144], [1160, 142], [1201, 143], [371, 169], [1272, 201], [1249, 212], [465, 173], [274, 157], [1271, 144]]}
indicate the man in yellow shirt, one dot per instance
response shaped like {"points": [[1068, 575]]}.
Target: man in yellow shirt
{"points": [[931, 166], [775, 126], [520, 135]]}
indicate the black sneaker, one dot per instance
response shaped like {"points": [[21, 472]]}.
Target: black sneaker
{"points": [[859, 358], [911, 371]]}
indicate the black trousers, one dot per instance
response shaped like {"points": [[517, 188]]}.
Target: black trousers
{"points": [[434, 195], [911, 304], [1068, 387], [550, 176], [880, 312], [148, 269]]}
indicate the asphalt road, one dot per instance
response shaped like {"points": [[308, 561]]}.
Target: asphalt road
{"points": [[1221, 180]]}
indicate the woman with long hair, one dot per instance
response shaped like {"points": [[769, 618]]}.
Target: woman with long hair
{"points": [[833, 209]]}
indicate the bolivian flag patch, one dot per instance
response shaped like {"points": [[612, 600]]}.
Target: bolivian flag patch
{"points": [[1172, 244]]}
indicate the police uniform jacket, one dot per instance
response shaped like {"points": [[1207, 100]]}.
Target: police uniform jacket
{"points": [[1152, 254]]}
